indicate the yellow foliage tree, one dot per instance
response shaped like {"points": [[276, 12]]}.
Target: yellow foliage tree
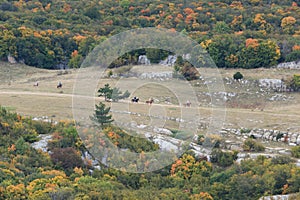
{"points": [[287, 24]]}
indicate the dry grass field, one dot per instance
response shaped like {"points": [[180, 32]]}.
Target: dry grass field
{"points": [[247, 109]]}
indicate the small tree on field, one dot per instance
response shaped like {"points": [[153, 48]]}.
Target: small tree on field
{"points": [[117, 94], [106, 91], [294, 82], [112, 93], [237, 76], [101, 115]]}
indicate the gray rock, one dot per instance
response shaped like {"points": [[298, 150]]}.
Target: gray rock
{"points": [[169, 61], [292, 144], [162, 131], [289, 65], [167, 143], [42, 143], [236, 147], [11, 59], [143, 60], [278, 197], [285, 152], [298, 140]]}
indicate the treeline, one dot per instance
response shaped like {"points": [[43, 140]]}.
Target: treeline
{"points": [[52, 34], [26, 173]]}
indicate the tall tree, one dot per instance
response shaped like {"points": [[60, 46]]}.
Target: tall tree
{"points": [[101, 115], [105, 91]]}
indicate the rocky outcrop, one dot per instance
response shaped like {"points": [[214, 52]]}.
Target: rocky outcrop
{"points": [[290, 138], [275, 84], [157, 75], [289, 65], [169, 61], [42, 143], [143, 60], [280, 197]]}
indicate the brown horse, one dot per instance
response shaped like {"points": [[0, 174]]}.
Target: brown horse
{"points": [[150, 101]]}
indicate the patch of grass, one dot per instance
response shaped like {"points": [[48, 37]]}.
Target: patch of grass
{"points": [[10, 108], [245, 130]]}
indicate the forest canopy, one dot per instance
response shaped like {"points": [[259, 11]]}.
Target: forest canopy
{"points": [[58, 34]]}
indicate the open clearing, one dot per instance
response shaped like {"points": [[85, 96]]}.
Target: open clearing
{"points": [[18, 93]]}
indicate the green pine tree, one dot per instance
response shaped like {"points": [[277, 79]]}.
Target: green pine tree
{"points": [[101, 115], [106, 91]]}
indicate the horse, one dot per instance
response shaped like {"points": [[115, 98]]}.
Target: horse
{"points": [[187, 104], [135, 99], [150, 101], [59, 85]]}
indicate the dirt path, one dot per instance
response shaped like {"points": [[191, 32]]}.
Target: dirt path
{"points": [[242, 111]]}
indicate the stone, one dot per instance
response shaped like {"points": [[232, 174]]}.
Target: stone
{"points": [[257, 136], [142, 126], [42, 143], [298, 140], [143, 60], [277, 197], [289, 65], [11, 59], [292, 144], [167, 143], [236, 147], [293, 138], [285, 152], [169, 61], [162, 131]]}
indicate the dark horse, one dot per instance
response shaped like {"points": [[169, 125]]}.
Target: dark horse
{"points": [[135, 99], [187, 104], [59, 85], [150, 101]]}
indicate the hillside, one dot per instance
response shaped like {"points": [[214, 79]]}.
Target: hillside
{"points": [[193, 135], [56, 34], [64, 171]]}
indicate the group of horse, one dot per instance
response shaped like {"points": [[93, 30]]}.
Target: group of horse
{"points": [[59, 85], [136, 100], [150, 101]]}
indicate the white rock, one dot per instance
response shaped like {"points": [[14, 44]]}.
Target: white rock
{"points": [[298, 140], [162, 131]]}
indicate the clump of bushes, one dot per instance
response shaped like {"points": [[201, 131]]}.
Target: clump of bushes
{"points": [[296, 151], [238, 76], [245, 130], [222, 158], [253, 146], [66, 158]]}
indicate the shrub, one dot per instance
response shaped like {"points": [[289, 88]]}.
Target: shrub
{"points": [[223, 159], [200, 139], [281, 160], [252, 145], [238, 76], [67, 158], [245, 130], [296, 152]]}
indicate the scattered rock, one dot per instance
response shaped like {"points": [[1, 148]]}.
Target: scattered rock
{"points": [[143, 60], [42, 143], [162, 131], [169, 61]]}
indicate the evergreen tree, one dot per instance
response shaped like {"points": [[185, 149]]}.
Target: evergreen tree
{"points": [[106, 91], [101, 115], [238, 76]]}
